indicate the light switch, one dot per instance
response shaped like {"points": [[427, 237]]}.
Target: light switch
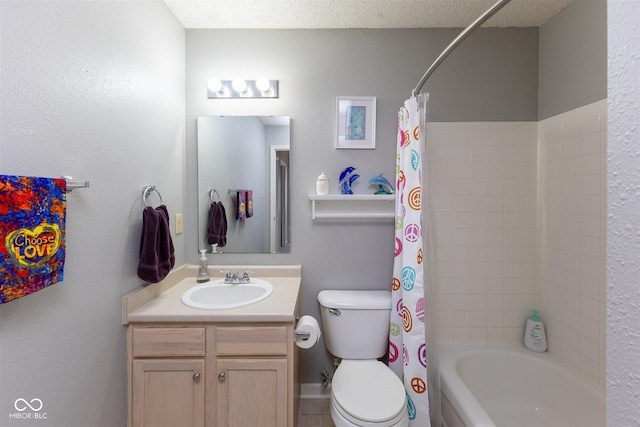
{"points": [[179, 223]]}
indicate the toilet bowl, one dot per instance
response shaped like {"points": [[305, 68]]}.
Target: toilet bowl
{"points": [[366, 393]]}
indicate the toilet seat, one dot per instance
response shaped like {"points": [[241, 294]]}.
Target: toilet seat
{"points": [[368, 393]]}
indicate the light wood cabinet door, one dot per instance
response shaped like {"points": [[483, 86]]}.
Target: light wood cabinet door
{"points": [[251, 392], [168, 393]]}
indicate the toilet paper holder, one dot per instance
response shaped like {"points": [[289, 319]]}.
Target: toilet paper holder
{"points": [[302, 334], [306, 332], [305, 335]]}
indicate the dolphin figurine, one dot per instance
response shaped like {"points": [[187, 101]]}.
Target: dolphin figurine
{"points": [[384, 186], [346, 172], [347, 178]]}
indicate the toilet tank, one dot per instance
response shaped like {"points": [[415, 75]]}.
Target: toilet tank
{"points": [[355, 324]]}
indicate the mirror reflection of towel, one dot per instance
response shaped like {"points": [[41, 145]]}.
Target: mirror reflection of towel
{"points": [[241, 205], [217, 225], [249, 203]]}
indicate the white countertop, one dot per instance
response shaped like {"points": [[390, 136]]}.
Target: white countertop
{"points": [[166, 304]]}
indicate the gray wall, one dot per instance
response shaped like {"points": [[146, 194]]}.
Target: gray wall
{"points": [[492, 77], [573, 58], [94, 90]]}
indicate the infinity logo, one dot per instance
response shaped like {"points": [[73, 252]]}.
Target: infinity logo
{"points": [[20, 403]]}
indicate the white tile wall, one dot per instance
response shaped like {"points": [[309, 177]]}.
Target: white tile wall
{"points": [[483, 182], [520, 216], [572, 236]]}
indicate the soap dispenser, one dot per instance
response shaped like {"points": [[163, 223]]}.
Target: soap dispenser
{"points": [[203, 271], [535, 339]]}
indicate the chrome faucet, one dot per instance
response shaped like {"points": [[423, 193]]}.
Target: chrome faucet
{"points": [[233, 279], [245, 277], [230, 278]]}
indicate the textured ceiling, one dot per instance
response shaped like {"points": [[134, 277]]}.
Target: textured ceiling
{"points": [[263, 14]]}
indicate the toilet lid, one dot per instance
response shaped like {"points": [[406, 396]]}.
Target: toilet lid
{"points": [[368, 390]]}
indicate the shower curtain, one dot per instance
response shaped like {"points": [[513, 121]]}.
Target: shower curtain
{"points": [[411, 345]]}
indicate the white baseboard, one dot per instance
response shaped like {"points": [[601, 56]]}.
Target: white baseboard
{"points": [[314, 391]]}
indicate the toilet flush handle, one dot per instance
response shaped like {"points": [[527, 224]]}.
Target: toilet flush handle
{"points": [[334, 311]]}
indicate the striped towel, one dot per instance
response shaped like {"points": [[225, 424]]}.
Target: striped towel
{"points": [[241, 205], [249, 203]]}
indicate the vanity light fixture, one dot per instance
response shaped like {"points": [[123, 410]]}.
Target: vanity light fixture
{"points": [[239, 88], [263, 85], [215, 85]]}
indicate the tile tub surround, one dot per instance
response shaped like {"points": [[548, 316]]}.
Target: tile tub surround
{"points": [[520, 218], [483, 178], [572, 238]]}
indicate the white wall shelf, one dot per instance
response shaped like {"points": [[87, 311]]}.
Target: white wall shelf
{"points": [[353, 207]]}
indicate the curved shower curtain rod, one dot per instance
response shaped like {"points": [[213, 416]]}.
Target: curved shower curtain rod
{"points": [[459, 39]]}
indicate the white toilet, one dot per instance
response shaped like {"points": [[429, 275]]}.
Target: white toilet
{"points": [[364, 392]]}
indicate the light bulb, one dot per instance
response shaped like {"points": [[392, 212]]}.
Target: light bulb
{"points": [[239, 85], [263, 85], [214, 85]]}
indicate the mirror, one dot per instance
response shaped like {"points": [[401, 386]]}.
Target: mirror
{"points": [[246, 157]]}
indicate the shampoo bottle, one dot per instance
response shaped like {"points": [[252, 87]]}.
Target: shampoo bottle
{"points": [[535, 338]]}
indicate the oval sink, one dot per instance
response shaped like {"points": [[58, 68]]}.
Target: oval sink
{"points": [[217, 295]]}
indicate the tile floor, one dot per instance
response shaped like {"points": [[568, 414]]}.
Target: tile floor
{"points": [[314, 413]]}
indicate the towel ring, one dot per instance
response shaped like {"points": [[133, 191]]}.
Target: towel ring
{"points": [[212, 192], [146, 191]]}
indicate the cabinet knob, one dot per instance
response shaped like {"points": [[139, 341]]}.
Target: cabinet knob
{"points": [[221, 376], [196, 376]]}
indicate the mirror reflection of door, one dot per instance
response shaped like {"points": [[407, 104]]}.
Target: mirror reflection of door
{"points": [[279, 178], [283, 200]]}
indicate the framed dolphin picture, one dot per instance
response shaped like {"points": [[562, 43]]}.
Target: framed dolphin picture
{"points": [[356, 122]]}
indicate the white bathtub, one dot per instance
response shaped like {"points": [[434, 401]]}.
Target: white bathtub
{"points": [[510, 386]]}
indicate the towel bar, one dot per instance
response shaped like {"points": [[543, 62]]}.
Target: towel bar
{"points": [[147, 190], [212, 192], [72, 184]]}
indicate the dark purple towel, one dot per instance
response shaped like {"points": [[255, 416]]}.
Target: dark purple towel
{"points": [[217, 225], [157, 256], [166, 255]]}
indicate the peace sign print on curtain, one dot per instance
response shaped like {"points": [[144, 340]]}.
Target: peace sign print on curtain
{"points": [[407, 348]]}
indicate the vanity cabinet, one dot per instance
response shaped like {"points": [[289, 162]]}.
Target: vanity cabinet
{"points": [[252, 392], [167, 374], [168, 392], [251, 372], [212, 374], [235, 367]]}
